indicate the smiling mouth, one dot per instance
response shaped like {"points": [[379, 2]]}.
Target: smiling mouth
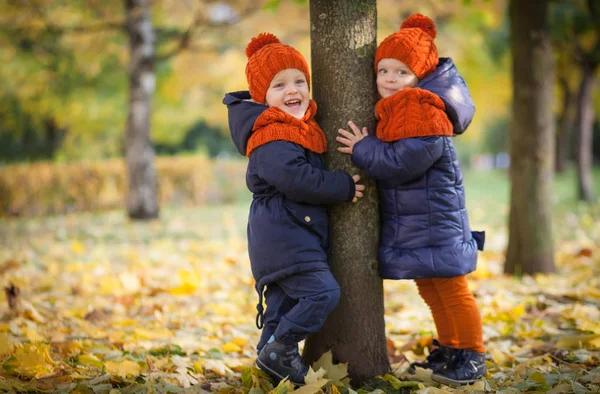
{"points": [[293, 103]]}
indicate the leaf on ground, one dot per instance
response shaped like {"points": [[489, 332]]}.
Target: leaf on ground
{"points": [[312, 388], [335, 372], [123, 368], [33, 360], [313, 376]]}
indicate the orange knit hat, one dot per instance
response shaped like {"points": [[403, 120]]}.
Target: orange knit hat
{"points": [[412, 45], [266, 57]]}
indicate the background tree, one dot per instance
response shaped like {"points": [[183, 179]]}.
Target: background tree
{"points": [[530, 247], [343, 42], [576, 37], [142, 199]]}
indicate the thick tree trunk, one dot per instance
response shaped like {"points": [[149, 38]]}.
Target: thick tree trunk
{"points": [[530, 246], [343, 42], [563, 137], [142, 194], [584, 130]]}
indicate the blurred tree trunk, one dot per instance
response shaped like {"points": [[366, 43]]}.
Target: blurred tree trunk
{"points": [[142, 193], [563, 137], [344, 89], [584, 129], [530, 245]]}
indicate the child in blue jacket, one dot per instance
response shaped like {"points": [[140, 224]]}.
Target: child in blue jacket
{"points": [[288, 224], [425, 232]]}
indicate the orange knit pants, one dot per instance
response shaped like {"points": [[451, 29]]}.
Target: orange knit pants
{"points": [[455, 313]]}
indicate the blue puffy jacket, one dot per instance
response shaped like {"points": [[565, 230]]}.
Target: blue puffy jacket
{"points": [[288, 224], [425, 229]]}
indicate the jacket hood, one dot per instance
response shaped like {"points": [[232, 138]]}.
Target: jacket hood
{"points": [[242, 114], [448, 84]]}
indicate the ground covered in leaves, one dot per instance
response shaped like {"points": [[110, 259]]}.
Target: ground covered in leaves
{"points": [[94, 303]]}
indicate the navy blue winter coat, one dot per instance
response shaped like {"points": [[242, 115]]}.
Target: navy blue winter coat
{"points": [[425, 229], [288, 224]]}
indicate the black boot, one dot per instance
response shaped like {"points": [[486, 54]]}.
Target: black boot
{"points": [[436, 359], [464, 367], [279, 361]]}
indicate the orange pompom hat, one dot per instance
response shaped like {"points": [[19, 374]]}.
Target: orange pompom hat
{"points": [[412, 45], [267, 56]]}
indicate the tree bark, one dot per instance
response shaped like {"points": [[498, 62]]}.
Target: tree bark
{"points": [[530, 245], [584, 129], [142, 194], [343, 43], [563, 138]]}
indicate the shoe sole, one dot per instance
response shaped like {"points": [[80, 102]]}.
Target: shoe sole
{"points": [[452, 382], [273, 373]]}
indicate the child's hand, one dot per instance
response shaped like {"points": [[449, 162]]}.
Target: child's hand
{"points": [[350, 139], [358, 188]]}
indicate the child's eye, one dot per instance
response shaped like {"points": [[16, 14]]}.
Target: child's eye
{"points": [[300, 81], [382, 71], [278, 85]]}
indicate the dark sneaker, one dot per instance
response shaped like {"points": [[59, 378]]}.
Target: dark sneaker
{"points": [[464, 367], [436, 359], [280, 361]]}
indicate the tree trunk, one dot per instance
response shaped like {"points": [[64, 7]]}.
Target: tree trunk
{"points": [[585, 125], [343, 42], [142, 194], [563, 138], [530, 246]]}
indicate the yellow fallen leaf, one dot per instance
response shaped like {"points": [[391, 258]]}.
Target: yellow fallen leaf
{"points": [[33, 360], [499, 357], [90, 359], [312, 388], [240, 341], [197, 367], [313, 376], [517, 312], [155, 333], [77, 247], [33, 335], [5, 347], [575, 341], [231, 347], [124, 368], [335, 372]]}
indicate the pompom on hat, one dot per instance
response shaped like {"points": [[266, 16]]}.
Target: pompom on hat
{"points": [[413, 45], [267, 56]]}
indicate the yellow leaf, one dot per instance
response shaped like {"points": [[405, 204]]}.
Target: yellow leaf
{"points": [[90, 359], [33, 335], [240, 341], [156, 333], [575, 341], [127, 367], [5, 347], [517, 312], [313, 376], [312, 388], [231, 347], [197, 367], [33, 360], [335, 372], [77, 247], [499, 357]]}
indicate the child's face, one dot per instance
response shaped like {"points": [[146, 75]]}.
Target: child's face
{"points": [[288, 91], [393, 76]]}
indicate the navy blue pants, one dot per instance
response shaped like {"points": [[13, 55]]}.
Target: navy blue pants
{"points": [[298, 306]]}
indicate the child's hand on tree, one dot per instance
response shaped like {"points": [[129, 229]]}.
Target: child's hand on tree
{"points": [[358, 188], [350, 139]]}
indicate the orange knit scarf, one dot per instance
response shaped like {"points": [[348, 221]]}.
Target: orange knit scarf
{"points": [[411, 112], [274, 124]]}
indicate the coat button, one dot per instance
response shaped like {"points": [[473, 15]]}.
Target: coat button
{"points": [[307, 219]]}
